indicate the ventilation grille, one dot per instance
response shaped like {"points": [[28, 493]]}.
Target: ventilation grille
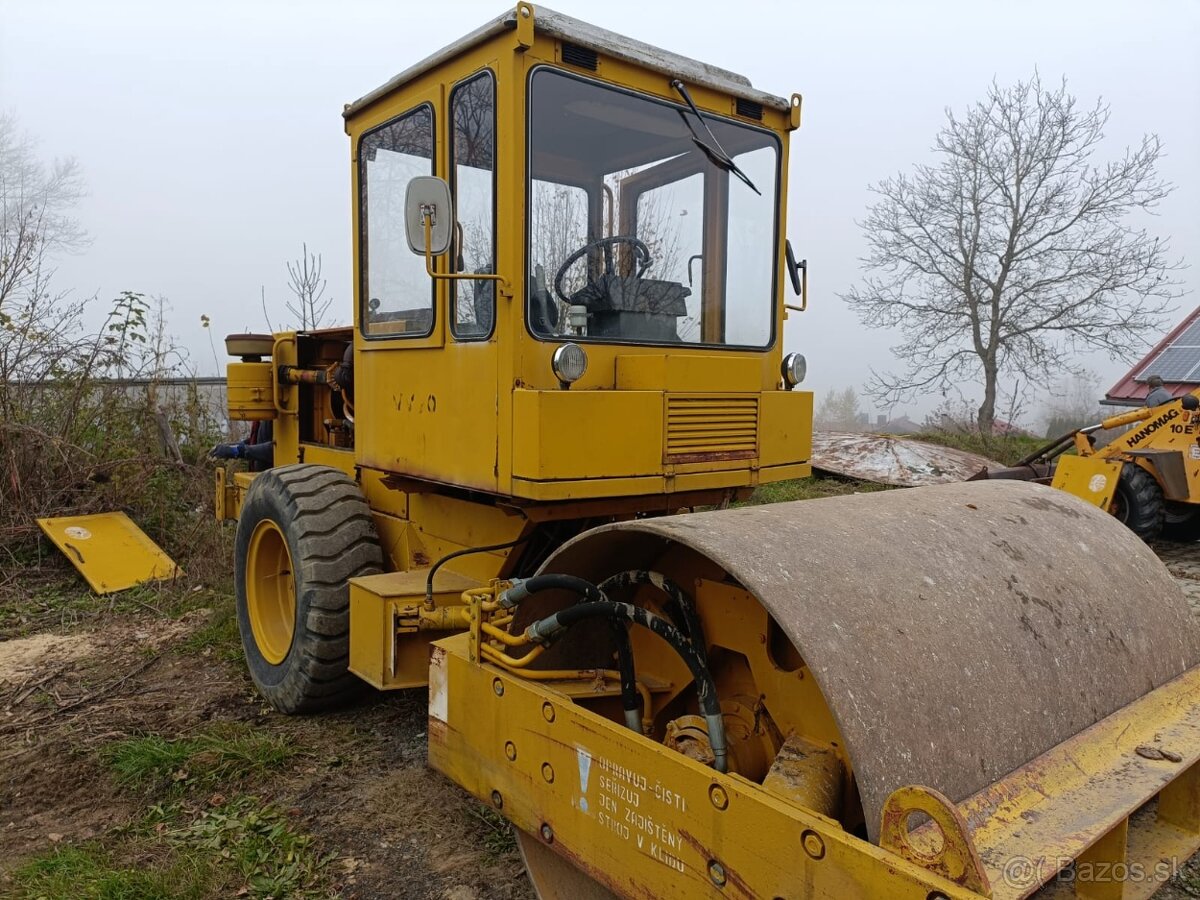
{"points": [[749, 109], [574, 55], [711, 426]]}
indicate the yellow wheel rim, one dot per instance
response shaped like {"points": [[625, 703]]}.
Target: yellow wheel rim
{"points": [[270, 592]]}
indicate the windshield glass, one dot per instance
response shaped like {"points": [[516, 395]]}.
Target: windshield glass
{"points": [[636, 234]]}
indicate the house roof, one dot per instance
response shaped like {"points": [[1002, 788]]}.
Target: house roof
{"points": [[1176, 358]]}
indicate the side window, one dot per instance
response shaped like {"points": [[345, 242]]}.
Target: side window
{"points": [[473, 149], [398, 294]]}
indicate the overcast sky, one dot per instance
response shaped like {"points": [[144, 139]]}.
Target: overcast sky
{"points": [[212, 142]]}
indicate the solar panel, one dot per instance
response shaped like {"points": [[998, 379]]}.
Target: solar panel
{"points": [[1190, 336], [1176, 363], [1179, 361]]}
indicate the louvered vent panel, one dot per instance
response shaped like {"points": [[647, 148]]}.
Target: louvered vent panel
{"points": [[749, 109], [711, 426], [574, 55]]}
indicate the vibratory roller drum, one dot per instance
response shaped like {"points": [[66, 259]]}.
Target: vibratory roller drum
{"points": [[939, 637]]}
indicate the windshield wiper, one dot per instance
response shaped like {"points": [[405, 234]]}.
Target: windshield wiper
{"points": [[716, 154]]}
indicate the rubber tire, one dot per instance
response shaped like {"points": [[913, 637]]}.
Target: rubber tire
{"points": [[1182, 523], [331, 538], [1139, 502]]}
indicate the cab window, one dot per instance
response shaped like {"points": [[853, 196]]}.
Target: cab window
{"points": [[397, 293], [639, 230], [473, 149]]}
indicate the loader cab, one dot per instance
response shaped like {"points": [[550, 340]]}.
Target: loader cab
{"points": [[598, 308]]}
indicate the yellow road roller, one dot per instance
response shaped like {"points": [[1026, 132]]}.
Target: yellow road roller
{"points": [[572, 275]]}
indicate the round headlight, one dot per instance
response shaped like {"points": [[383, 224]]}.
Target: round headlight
{"points": [[569, 363], [794, 368]]}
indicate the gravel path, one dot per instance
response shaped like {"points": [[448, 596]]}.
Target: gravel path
{"points": [[1183, 561]]}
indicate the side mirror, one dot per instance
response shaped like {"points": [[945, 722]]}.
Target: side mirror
{"points": [[428, 215], [1190, 402], [798, 273]]}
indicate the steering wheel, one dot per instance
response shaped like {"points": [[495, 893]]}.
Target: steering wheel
{"points": [[606, 244]]}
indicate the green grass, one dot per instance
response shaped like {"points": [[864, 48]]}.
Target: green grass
{"points": [[494, 830], [810, 489], [218, 636], [89, 872], [259, 843], [226, 754], [58, 598], [240, 848], [1006, 449]]}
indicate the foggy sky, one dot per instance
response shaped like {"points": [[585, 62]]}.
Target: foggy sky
{"points": [[211, 134]]}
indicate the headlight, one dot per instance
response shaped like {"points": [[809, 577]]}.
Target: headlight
{"points": [[569, 363], [794, 368]]}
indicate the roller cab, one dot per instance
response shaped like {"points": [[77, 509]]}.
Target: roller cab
{"points": [[571, 276]]}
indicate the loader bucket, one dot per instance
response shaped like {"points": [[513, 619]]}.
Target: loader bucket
{"points": [[997, 655]]}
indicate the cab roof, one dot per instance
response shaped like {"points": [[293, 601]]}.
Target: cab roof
{"points": [[562, 27]]}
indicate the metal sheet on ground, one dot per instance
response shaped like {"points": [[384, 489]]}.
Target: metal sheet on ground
{"points": [[892, 460], [956, 631], [109, 551]]}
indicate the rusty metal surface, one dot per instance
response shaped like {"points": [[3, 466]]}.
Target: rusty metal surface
{"points": [[553, 877], [893, 460], [956, 631]]}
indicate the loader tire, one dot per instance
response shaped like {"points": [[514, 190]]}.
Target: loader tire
{"points": [[303, 533], [1182, 523], [1139, 503]]}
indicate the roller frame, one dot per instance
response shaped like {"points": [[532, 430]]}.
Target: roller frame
{"points": [[1092, 790]]}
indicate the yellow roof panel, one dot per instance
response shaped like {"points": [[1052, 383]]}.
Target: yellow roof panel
{"points": [[109, 551]]}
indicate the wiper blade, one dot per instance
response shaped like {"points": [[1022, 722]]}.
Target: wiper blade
{"points": [[715, 152]]}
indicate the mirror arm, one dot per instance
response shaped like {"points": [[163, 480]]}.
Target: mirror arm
{"points": [[427, 217], [803, 267]]}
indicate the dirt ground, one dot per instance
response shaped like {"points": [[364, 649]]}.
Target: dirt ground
{"points": [[78, 678], [385, 825]]}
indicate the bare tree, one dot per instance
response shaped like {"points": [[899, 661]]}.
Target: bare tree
{"points": [[1014, 251], [38, 329], [839, 411], [36, 222], [1072, 402], [308, 287]]}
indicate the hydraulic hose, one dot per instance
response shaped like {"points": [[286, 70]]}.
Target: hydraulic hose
{"points": [[630, 697], [464, 552], [679, 607], [548, 629]]}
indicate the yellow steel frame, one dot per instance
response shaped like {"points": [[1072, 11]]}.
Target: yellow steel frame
{"points": [[1117, 806], [640, 819]]}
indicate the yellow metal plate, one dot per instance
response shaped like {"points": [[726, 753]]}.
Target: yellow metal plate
{"points": [[109, 551], [1090, 478]]}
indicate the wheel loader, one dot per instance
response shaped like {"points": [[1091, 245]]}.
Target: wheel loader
{"points": [[1148, 476], [572, 274]]}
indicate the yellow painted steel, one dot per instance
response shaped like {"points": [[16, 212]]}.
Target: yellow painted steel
{"points": [[391, 627], [109, 550], [271, 591], [638, 818], [248, 387], [1065, 804], [1090, 478]]}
